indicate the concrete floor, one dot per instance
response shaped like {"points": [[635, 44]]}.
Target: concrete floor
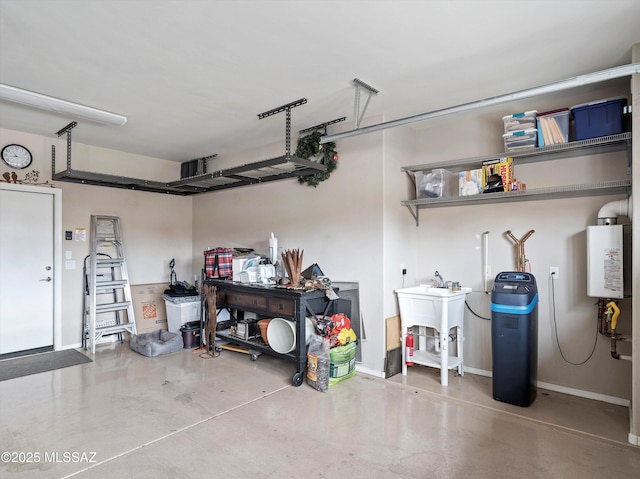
{"points": [[182, 416]]}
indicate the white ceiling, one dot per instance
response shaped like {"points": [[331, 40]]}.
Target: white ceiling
{"points": [[192, 75]]}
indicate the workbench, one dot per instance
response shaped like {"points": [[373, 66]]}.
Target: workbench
{"points": [[269, 301]]}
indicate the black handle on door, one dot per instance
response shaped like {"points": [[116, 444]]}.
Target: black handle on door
{"points": [[47, 279]]}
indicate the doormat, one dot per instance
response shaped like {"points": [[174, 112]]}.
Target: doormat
{"points": [[39, 363]]}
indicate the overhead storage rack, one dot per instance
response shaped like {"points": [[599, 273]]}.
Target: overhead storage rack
{"points": [[278, 168]]}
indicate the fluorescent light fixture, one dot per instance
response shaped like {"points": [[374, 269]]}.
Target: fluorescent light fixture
{"points": [[62, 107], [588, 79]]}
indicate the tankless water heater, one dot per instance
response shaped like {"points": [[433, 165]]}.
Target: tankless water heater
{"points": [[605, 276]]}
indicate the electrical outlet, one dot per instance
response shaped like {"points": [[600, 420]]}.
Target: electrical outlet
{"points": [[554, 271], [403, 269]]}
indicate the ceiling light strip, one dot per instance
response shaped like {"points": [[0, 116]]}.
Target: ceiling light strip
{"points": [[61, 107], [587, 79]]}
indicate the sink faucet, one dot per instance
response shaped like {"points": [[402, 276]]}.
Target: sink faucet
{"points": [[439, 281]]}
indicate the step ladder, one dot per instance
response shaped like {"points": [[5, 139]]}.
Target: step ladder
{"points": [[108, 304]]}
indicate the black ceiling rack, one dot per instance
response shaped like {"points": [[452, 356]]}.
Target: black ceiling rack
{"points": [[323, 126], [279, 168]]}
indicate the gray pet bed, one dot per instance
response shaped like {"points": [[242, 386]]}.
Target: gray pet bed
{"points": [[156, 343]]}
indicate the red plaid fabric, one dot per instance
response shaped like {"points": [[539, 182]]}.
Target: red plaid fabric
{"points": [[218, 263]]}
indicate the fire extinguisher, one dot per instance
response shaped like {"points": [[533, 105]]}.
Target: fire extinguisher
{"points": [[409, 349]]}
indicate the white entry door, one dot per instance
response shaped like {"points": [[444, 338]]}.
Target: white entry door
{"points": [[26, 270]]}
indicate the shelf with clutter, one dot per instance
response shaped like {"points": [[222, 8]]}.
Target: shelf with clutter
{"points": [[529, 137]]}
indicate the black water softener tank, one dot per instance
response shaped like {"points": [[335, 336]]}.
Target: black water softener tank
{"points": [[514, 338]]}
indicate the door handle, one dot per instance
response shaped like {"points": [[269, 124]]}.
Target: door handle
{"points": [[47, 279]]}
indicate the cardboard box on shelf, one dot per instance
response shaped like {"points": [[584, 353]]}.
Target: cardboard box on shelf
{"points": [[149, 307], [497, 174], [470, 182]]}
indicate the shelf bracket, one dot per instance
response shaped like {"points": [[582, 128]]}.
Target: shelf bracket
{"points": [[323, 125], [416, 215], [360, 85], [286, 108], [67, 129], [204, 161]]}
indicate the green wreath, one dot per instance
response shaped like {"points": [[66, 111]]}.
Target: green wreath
{"points": [[309, 148]]}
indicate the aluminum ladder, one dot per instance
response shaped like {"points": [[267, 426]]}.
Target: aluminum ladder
{"points": [[107, 277]]}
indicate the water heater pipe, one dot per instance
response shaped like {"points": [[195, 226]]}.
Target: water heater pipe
{"points": [[614, 311], [609, 213]]}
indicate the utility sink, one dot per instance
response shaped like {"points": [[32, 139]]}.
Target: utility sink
{"points": [[428, 290], [441, 310]]}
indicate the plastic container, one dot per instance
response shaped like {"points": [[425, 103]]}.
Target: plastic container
{"points": [[520, 140], [520, 121], [182, 313], [599, 118], [438, 183], [553, 127], [191, 335]]}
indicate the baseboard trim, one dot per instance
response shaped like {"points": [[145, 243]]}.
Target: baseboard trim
{"points": [[370, 372], [565, 390]]}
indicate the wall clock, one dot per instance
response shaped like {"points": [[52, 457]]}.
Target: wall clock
{"points": [[16, 156]]}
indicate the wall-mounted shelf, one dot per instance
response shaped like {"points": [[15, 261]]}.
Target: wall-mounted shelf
{"points": [[593, 146]]}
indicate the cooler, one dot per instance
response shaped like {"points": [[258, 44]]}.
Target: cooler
{"points": [[514, 338]]}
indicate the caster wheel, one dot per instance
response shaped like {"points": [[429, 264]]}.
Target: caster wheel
{"points": [[298, 378], [254, 357], [218, 350]]}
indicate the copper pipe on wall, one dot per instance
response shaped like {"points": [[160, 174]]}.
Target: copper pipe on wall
{"points": [[521, 259]]}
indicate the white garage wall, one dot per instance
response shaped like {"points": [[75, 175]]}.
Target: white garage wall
{"points": [[156, 227]]}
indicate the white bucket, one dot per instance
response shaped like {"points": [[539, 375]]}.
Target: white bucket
{"points": [[281, 334]]}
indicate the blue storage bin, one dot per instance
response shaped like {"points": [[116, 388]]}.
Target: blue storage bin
{"points": [[599, 118]]}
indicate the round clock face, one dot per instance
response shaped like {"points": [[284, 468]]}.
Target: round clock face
{"points": [[16, 156]]}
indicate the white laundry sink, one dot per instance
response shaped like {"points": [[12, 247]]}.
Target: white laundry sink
{"points": [[440, 309], [428, 290]]}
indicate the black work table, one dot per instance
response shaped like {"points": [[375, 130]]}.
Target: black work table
{"points": [[269, 301]]}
